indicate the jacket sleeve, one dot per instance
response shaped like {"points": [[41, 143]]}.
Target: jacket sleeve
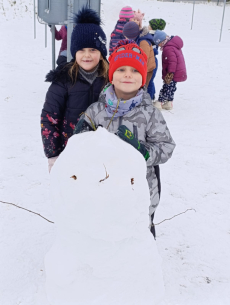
{"points": [[52, 119], [111, 43], [146, 48], [172, 62], [159, 142], [151, 63]]}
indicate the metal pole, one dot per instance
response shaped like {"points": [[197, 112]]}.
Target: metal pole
{"points": [[53, 46], [218, 2], [69, 28], [222, 20], [193, 13], [45, 35], [34, 21]]}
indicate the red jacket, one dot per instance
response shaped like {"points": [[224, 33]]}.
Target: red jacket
{"points": [[173, 60], [62, 34]]}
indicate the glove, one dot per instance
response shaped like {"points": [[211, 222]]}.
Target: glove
{"points": [[51, 162], [125, 134], [82, 126], [168, 78]]}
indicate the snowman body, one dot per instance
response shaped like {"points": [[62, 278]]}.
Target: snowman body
{"points": [[104, 253]]}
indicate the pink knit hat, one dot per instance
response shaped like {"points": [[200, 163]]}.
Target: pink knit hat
{"points": [[126, 13], [138, 15]]}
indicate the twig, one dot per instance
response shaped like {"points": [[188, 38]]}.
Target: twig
{"points": [[174, 216], [27, 210], [90, 120], [106, 177], [118, 102]]}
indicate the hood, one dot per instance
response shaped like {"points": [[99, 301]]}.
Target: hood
{"points": [[144, 31], [59, 74], [145, 35], [176, 41]]}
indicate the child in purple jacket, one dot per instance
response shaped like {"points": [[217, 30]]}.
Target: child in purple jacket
{"points": [[173, 67], [125, 15]]}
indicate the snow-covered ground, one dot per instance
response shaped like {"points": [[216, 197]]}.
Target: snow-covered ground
{"points": [[194, 246]]}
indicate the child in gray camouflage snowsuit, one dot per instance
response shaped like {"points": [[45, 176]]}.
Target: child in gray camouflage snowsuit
{"points": [[125, 108]]}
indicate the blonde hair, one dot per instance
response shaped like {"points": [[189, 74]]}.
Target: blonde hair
{"points": [[103, 69]]}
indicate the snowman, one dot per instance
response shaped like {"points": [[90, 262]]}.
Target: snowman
{"points": [[104, 253]]}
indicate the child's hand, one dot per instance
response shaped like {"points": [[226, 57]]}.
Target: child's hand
{"points": [[125, 134], [168, 78]]}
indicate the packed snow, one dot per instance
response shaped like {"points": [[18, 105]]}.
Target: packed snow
{"points": [[101, 201], [194, 247]]}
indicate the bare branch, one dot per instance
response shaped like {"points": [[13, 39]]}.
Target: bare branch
{"points": [[106, 177], [26, 210], [175, 216], [90, 120]]}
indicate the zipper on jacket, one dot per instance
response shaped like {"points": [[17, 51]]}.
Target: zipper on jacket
{"points": [[90, 95]]}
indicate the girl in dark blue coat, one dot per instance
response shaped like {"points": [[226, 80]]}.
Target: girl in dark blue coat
{"points": [[74, 86]]}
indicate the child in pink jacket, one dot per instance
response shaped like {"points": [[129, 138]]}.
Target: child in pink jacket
{"points": [[173, 67]]}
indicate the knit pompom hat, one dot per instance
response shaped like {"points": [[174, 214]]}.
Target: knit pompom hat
{"points": [[126, 13], [87, 32], [157, 24], [159, 36], [138, 15], [131, 30], [128, 53]]}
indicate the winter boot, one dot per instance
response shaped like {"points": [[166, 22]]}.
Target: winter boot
{"points": [[158, 105], [167, 106]]}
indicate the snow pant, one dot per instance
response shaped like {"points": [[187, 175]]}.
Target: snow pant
{"points": [[149, 76], [167, 92], [151, 86], [157, 172]]}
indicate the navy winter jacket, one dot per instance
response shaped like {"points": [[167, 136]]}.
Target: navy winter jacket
{"points": [[63, 105]]}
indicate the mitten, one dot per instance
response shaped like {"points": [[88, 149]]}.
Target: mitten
{"points": [[168, 78], [125, 134]]}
